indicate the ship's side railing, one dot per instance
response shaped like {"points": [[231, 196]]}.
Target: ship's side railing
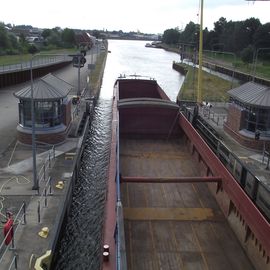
{"points": [[121, 262], [257, 190]]}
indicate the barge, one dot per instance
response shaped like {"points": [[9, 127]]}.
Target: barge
{"points": [[171, 202]]}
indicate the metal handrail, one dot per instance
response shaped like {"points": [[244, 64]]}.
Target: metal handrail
{"points": [[44, 61], [46, 166], [13, 262], [218, 152], [44, 194], [22, 208]]}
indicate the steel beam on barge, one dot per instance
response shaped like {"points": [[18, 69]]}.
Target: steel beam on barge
{"points": [[192, 179]]}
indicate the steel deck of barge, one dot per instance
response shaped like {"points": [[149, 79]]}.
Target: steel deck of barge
{"points": [[172, 225]]}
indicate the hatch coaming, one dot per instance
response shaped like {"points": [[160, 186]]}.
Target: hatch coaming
{"points": [[145, 110], [136, 88]]}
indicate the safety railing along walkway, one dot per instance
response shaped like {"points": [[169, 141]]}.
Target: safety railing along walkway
{"points": [[40, 62], [8, 245]]}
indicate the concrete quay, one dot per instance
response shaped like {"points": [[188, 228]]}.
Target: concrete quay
{"points": [[35, 210], [41, 210]]}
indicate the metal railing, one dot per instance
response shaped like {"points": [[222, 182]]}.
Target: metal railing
{"points": [[43, 61], [20, 219], [45, 168], [14, 263], [43, 201], [256, 189], [217, 118]]}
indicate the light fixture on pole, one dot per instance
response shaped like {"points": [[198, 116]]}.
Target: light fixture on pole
{"points": [[199, 93], [256, 60], [35, 180]]}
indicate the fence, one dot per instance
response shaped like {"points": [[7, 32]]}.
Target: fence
{"points": [[44, 170], [42, 61], [211, 114], [7, 245], [43, 201], [20, 219]]}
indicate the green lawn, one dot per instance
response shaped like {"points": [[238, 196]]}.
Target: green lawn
{"points": [[214, 89], [16, 59], [228, 60]]}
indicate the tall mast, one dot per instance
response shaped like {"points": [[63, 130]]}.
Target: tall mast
{"points": [[199, 93]]}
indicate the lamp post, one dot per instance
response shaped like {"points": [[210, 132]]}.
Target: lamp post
{"points": [[256, 60], [199, 93], [234, 59], [35, 178]]}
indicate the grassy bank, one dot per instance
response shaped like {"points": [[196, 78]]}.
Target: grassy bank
{"points": [[228, 60], [97, 74], [214, 88], [17, 59]]}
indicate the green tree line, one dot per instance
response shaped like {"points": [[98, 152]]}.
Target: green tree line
{"points": [[12, 43], [240, 37]]}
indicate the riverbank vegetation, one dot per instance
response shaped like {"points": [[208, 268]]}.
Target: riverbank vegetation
{"points": [[214, 88], [97, 74], [244, 45], [16, 42]]}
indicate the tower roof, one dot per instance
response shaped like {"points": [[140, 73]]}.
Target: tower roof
{"points": [[47, 88], [253, 94]]}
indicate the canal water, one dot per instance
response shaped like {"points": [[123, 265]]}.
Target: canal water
{"points": [[81, 243]]}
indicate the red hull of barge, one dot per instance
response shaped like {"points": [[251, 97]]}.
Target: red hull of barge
{"points": [[144, 117]]}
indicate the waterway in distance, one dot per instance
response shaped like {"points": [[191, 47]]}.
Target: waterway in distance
{"points": [[81, 243]]}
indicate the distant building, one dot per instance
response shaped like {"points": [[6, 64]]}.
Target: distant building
{"points": [[248, 120], [34, 40], [52, 111], [84, 39]]}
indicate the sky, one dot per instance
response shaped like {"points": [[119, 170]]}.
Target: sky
{"points": [[146, 16]]}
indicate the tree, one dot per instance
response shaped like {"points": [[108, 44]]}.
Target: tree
{"points": [[68, 37], [96, 33], [247, 54], [220, 26], [190, 33], [251, 25], [171, 36], [4, 40], [53, 37], [32, 49], [46, 33], [262, 36]]}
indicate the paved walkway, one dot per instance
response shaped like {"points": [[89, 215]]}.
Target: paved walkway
{"points": [[253, 159]]}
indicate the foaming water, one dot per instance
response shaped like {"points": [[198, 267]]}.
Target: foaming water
{"points": [[81, 243]]}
